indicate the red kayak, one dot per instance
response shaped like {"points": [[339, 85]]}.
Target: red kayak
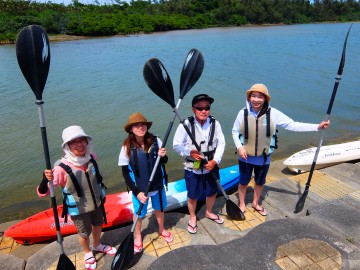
{"points": [[119, 211], [41, 226]]}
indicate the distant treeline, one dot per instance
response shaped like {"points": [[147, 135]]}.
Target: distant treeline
{"points": [[149, 16]]}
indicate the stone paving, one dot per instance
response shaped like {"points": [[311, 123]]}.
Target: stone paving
{"points": [[296, 241]]}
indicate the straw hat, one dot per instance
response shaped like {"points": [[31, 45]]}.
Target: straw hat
{"points": [[261, 88], [73, 132], [134, 119]]}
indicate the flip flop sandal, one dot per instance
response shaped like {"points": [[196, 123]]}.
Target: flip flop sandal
{"points": [[90, 263], [105, 249], [217, 220], [138, 248], [260, 210], [168, 238], [241, 210], [193, 228]]}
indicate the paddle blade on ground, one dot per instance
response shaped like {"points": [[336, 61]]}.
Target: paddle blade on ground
{"points": [[191, 72], [233, 211], [65, 263], [33, 55], [124, 254], [158, 80]]}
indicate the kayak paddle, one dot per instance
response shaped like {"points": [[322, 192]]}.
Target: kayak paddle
{"points": [[33, 55], [300, 204], [186, 82], [125, 252], [232, 210], [154, 69]]}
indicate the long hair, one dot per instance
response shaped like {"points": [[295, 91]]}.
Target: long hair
{"points": [[131, 141]]}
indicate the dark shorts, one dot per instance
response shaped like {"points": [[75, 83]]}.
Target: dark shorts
{"points": [[200, 185], [83, 222], [247, 169]]}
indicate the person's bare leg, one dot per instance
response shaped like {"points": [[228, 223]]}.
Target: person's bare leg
{"points": [[192, 211], [209, 207], [96, 234], [242, 195], [255, 204], [84, 243], [137, 232]]}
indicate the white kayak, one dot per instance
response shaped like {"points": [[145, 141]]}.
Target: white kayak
{"points": [[328, 156]]}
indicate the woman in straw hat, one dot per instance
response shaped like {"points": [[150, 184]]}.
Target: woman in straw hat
{"points": [[254, 134], [78, 175], [137, 158]]}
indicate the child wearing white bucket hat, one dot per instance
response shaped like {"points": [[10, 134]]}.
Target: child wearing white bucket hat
{"points": [[78, 175], [254, 135]]}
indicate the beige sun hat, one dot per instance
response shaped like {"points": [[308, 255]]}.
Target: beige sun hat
{"points": [[134, 119], [73, 132], [261, 88]]}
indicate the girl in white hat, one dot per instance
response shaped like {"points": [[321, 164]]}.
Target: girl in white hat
{"points": [[77, 174]]}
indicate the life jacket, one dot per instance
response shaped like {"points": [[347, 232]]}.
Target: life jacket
{"points": [[263, 138], [209, 149], [84, 191], [141, 165]]}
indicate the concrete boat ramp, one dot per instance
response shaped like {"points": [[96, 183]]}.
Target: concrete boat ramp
{"points": [[325, 235]]}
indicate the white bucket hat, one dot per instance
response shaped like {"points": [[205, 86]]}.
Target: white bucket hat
{"points": [[73, 132]]}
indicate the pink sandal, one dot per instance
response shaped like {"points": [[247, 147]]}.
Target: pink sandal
{"points": [[105, 249], [90, 261], [138, 248], [168, 238]]}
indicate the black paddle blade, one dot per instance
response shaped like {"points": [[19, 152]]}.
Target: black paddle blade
{"points": [[191, 72], [233, 211], [158, 80], [33, 55], [65, 263], [300, 204], [124, 254], [342, 62]]}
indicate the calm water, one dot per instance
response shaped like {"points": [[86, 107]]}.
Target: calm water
{"points": [[97, 83]]}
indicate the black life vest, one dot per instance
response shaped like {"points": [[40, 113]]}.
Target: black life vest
{"points": [[142, 163]]}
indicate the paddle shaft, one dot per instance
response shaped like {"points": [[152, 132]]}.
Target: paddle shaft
{"points": [[328, 112], [48, 166], [182, 121], [167, 134], [301, 202]]}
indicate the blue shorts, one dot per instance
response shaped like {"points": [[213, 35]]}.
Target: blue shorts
{"points": [[155, 201], [247, 169], [199, 185]]}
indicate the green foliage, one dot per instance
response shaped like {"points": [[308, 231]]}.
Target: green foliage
{"points": [[165, 15]]}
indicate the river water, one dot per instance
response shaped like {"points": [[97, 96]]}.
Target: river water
{"points": [[97, 83]]}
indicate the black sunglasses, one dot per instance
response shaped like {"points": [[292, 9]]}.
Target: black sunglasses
{"points": [[207, 108]]}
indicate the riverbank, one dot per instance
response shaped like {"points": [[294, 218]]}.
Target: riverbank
{"points": [[62, 37]]}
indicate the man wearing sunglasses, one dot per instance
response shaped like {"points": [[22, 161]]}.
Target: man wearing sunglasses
{"points": [[209, 136]]}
